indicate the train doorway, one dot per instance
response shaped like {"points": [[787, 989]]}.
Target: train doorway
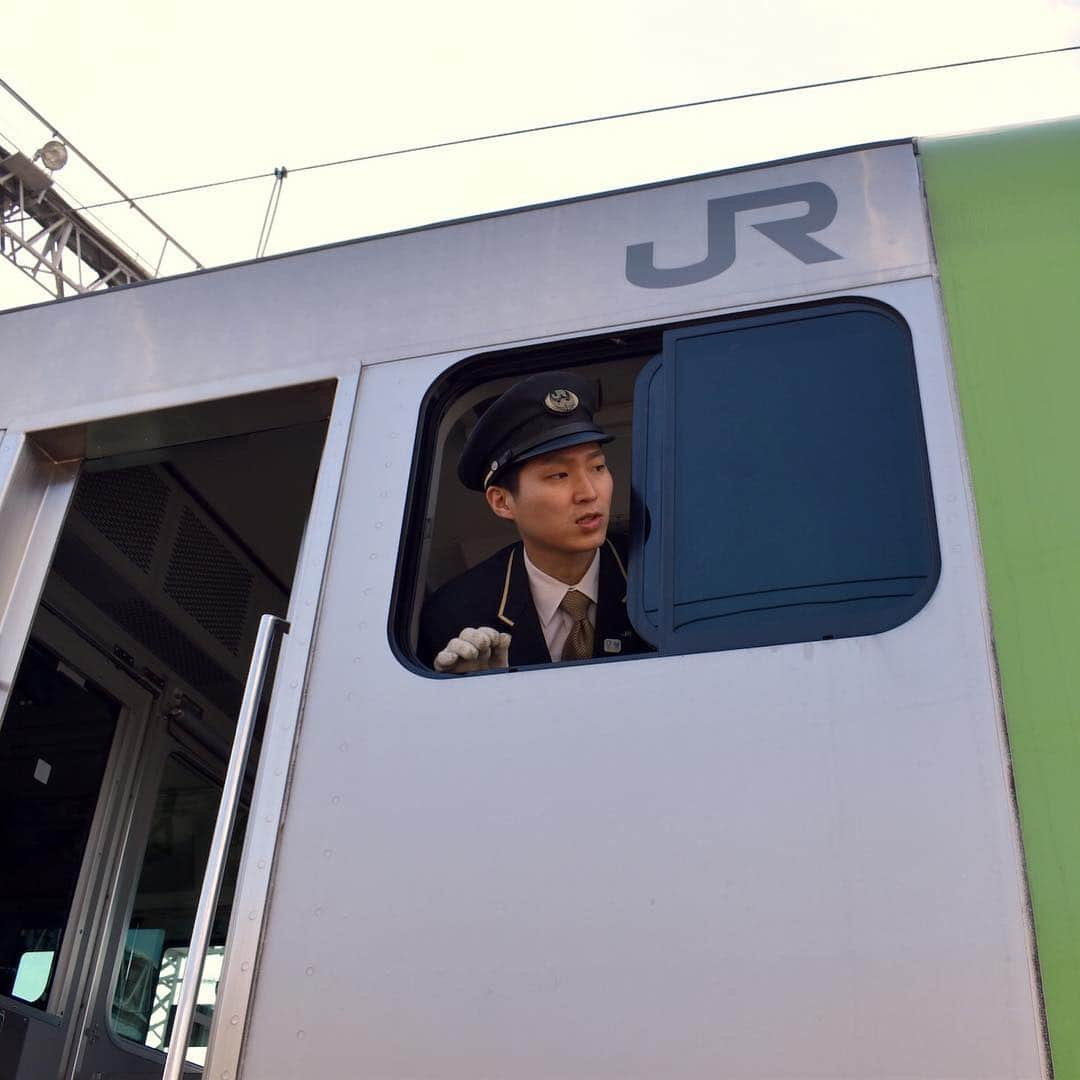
{"points": [[119, 722]]}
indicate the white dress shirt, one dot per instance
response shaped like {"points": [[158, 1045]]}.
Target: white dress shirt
{"points": [[547, 594]]}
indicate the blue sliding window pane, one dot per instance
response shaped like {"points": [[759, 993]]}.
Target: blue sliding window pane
{"points": [[802, 505]]}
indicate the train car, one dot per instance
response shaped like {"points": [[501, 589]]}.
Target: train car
{"points": [[825, 827]]}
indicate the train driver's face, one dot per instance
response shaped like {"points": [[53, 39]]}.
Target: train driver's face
{"points": [[563, 500]]}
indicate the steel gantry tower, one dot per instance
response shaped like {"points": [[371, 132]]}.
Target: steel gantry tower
{"points": [[50, 241], [62, 246]]}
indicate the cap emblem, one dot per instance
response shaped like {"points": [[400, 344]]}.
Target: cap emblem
{"points": [[561, 401]]}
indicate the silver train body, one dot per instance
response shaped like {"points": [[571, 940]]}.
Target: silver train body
{"points": [[786, 861]]}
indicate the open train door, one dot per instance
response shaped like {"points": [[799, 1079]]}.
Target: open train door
{"points": [[138, 555]]}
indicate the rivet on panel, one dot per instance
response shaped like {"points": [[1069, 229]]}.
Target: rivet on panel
{"points": [[309, 971], [251, 916], [301, 1034], [328, 853], [234, 1020]]}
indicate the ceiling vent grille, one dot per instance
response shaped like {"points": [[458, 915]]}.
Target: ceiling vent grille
{"points": [[127, 506], [209, 582], [196, 584]]}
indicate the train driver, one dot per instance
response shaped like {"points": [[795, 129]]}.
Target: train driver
{"points": [[559, 593]]}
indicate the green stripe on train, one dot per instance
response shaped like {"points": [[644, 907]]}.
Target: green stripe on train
{"points": [[1005, 211]]}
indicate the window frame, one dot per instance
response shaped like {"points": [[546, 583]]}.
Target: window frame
{"points": [[457, 380], [566, 354]]}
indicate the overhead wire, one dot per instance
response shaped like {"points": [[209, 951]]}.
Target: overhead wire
{"points": [[598, 119], [656, 109]]}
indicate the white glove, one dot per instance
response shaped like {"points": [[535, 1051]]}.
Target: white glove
{"points": [[474, 649]]}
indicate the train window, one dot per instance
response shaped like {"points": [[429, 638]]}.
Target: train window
{"points": [[771, 485], [782, 489], [451, 530], [154, 960]]}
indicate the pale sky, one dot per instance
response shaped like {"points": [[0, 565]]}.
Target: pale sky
{"points": [[165, 95]]}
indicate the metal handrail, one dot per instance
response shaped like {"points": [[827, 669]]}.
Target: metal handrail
{"points": [[269, 627]]}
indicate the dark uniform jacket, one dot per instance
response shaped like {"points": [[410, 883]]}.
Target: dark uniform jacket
{"points": [[496, 593]]}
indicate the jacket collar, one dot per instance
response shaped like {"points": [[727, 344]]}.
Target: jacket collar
{"points": [[517, 615]]}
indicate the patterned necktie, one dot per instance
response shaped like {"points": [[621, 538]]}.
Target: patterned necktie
{"points": [[579, 644]]}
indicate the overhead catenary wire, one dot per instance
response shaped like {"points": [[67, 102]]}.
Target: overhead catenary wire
{"points": [[599, 119], [656, 109]]}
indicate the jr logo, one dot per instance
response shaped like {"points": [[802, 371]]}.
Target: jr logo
{"points": [[791, 233]]}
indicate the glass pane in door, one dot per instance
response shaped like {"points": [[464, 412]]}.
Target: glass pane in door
{"points": [[54, 747], [154, 960]]}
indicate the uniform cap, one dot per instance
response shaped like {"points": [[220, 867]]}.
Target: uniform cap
{"points": [[536, 416]]}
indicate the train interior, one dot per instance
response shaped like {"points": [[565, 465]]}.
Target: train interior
{"points": [[120, 723]]}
